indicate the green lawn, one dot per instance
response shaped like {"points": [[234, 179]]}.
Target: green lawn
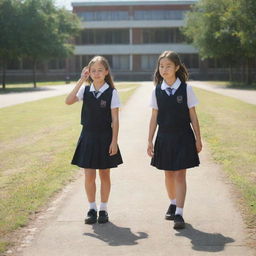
{"points": [[229, 128], [37, 143]]}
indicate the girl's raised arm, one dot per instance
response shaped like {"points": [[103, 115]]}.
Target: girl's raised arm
{"points": [[71, 98]]}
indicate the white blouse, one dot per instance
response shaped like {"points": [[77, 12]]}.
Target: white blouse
{"points": [[192, 100], [115, 101]]}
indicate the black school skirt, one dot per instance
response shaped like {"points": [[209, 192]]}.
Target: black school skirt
{"points": [[175, 150], [92, 151]]}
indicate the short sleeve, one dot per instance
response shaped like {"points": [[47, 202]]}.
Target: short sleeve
{"points": [[153, 102], [115, 101], [80, 93], [192, 100]]}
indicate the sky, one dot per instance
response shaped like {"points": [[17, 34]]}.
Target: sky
{"points": [[65, 3]]}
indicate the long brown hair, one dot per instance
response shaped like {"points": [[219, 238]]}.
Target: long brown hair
{"points": [[108, 78], [181, 73]]}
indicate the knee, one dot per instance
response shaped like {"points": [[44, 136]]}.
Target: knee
{"points": [[180, 178], [169, 175], [90, 177], [104, 176]]}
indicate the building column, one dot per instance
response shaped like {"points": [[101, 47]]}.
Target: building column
{"points": [[131, 62], [131, 56]]}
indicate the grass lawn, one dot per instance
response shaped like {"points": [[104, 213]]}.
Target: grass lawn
{"points": [[229, 128], [37, 143]]}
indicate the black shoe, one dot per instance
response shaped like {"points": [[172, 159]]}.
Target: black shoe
{"points": [[103, 217], [91, 217], [179, 222], [170, 212]]}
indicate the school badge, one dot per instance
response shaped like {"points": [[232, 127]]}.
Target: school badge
{"points": [[179, 99], [103, 103]]}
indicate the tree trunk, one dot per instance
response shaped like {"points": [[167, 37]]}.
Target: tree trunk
{"points": [[34, 73], [249, 82], [248, 72], [4, 74], [243, 71], [230, 73]]}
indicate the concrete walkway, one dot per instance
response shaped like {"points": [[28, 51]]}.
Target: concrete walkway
{"points": [[15, 98], [137, 206], [248, 96]]}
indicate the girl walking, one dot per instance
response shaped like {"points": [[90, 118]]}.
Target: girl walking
{"points": [[97, 146], [176, 146]]}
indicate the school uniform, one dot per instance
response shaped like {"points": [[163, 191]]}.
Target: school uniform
{"points": [[92, 151], [174, 147]]}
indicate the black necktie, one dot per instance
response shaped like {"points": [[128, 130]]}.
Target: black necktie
{"points": [[169, 90], [95, 94]]}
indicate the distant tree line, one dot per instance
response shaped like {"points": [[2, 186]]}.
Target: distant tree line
{"points": [[226, 30], [35, 29]]}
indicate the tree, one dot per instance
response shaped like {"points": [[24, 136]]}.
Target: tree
{"points": [[10, 31], [245, 13], [46, 31], [211, 30]]}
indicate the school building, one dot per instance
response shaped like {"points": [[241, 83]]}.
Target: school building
{"points": [[131, 35]]}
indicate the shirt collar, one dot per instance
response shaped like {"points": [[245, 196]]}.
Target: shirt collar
{"points": [[103, 88], [175, 85]]}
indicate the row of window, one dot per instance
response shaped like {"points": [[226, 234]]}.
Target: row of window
{"points": [[136, 15], [147, 62], [26, 63], [121, 36]]}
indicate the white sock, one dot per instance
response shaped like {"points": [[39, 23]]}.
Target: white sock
{"points": [[179, 211], [173, 201], [93, 206], [103, 206]]}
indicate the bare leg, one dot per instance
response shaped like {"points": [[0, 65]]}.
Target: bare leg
{"points": [[90, 185], [170, 184], [180, 187], [105, 185]]}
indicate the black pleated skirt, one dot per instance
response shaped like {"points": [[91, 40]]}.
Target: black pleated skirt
{"points": [[92, 151], [175, 151]]}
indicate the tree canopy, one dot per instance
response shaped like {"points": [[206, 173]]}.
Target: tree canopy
{"points": [[224, 29], [36, 29]]}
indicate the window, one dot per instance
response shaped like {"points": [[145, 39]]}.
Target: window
{"points": [[148, 62], [103, 15], [190, 60], [159, 15], [162, 35], [120, 62], [105, 36], [56, 64]]}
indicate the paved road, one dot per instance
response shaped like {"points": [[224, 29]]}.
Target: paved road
{"points": [[14, 98], [137, 206], [248, 96]]}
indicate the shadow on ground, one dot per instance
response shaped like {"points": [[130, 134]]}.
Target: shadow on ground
{"points": [[202, 241], [114, 235], [23, 89]]}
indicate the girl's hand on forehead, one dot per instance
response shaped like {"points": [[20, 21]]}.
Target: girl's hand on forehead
{"points": [[85, 73]]}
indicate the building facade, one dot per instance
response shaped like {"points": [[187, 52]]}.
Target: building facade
{"points": [[131, 35]]}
